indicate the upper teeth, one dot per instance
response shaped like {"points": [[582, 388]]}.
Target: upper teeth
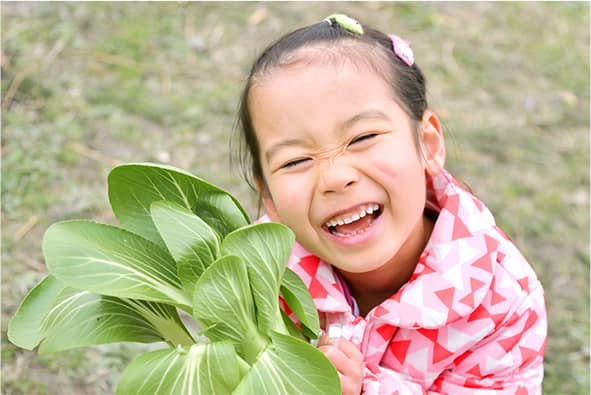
{"points": [[361, 212]]}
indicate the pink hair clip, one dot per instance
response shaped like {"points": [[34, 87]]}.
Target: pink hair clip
{"points": [[402, 49]]}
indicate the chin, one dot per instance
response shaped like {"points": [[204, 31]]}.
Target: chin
{"points": [[355, 268]]}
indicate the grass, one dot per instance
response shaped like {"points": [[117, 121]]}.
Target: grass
{"points": [[88, 85]]}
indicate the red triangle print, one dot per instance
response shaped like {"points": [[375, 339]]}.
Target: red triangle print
{"points": [[468, 300], [481, 314], [398, 295], [443, 201], [425, 269], [476, 284], [451, 204], [521, 391], [414, 276], [386, 331], [452, 316], [497, 298], [531, 320], [498, 318], [317, 290], [458, 361], [509, 342], [484, 263], [473, 383], [446, 296], [399, 349], [460, 230], [527, 355], [380, 311], [372, 367], [440, 353], [475, 371], [310, 264], [430, 334], [491, 244], [524, 282]]}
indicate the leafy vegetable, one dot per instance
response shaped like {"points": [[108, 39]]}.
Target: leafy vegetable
{"points": [[185, 244]]}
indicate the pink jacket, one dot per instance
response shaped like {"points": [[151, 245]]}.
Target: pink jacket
{"points": [[470, 321]]}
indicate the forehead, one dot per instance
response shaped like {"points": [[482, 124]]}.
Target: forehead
{"points": [[315, 81], [344, 64], [311, 101]]}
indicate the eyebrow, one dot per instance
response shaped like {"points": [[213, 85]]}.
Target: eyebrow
{"points": [[364, 115]]}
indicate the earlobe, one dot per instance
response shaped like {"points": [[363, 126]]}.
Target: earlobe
{"points": [[267, 200], [432, 143]]}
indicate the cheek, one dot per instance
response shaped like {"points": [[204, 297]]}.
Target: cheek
{"points": [[396, 161], [290, 196], [402, 174]]}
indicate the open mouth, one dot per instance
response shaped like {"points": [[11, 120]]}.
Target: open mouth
{"points": [[355, 221]]}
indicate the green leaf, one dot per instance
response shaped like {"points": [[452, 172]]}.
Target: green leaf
{"points": [[292, 328], [192, 243], [218, 209], [224, 305], [164, 319], [290, 366], [265, 248], [134, 187], [300, 302], [201, 369], [80, 318], [111, 261], [25, 329]]}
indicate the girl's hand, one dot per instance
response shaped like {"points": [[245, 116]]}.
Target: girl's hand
{"points": [[347, 360]]}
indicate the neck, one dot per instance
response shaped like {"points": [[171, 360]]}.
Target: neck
{"points": [[372, 288]]}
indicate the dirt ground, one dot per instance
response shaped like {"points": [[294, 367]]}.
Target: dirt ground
{"points": [[86, 86]]}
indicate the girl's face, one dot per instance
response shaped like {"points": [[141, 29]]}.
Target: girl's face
{"points": [[340, 163]]}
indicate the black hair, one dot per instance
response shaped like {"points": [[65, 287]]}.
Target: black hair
{"points": [[372, 48]]}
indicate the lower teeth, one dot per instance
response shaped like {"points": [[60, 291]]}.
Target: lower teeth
{"points": [[343, 234], [334, 232]]}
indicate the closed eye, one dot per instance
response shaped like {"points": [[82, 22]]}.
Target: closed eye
{"points": [[294, 163], [364, 137]]}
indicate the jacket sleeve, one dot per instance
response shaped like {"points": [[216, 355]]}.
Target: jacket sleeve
{"points": [[508, 362], [378, 380]]}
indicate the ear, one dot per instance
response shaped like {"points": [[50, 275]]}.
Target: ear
{"points": [[432, 143], [267, 200]]}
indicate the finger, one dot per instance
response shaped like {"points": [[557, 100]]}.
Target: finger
{"points": [[336, 356], [349, 349], [348, 367], [349, 386], [354, 357]]}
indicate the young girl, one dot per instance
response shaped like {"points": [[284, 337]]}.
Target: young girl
{"points": [[418, 288]]}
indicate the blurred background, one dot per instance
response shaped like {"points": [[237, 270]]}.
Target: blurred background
{"points": [[86, 86]]}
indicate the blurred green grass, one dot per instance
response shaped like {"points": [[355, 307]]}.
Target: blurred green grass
{"points": [[89, 85]]}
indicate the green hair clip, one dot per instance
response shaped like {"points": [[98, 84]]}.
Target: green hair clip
{"points": [[346, 22]]}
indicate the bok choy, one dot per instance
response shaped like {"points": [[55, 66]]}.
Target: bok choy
{"points": [[185, 248]]}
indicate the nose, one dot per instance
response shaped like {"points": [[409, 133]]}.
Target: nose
{"points": [[337, 175]]}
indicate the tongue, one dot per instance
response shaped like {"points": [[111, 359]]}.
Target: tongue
{"points": [[355, 226]]}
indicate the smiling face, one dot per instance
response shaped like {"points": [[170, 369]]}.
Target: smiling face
{"points": [[340, 164]]}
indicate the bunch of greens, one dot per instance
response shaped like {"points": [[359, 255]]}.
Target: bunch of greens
{"points": [[185, 245]]}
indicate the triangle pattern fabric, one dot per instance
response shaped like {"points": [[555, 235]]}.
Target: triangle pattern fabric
{"points": [[472, 309]]}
